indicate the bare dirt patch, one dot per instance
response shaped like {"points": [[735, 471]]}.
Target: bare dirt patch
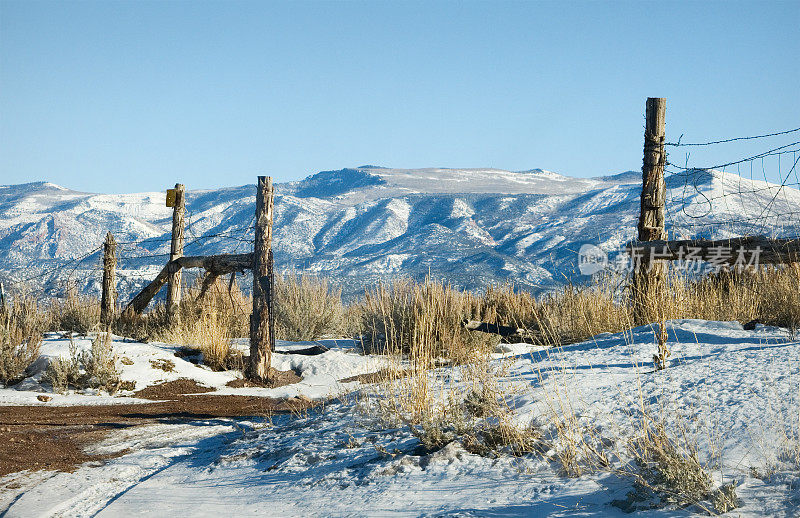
{"points": [[53, 438], [277, 379], [41, 449], [172, 389]]}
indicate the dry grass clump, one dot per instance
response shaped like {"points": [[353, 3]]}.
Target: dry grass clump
{"points": [[95, 368], [577, 448], [75, 313], [669, 472], [490, 435], [63, 373], [211, 335], [215, 343], [577, 313], [20, 340], [423, 321], [101, 364], [307, 308], [505, 305], [669, 466], [142, 328], [230, 307], [658, 454], [160, 364], [439, 410], [493, 439], [725, 499], [207, 323]]}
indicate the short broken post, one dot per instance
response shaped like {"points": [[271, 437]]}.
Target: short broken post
{"points": [[260, 321], [176, 251], [649, 277], [108, 299]]}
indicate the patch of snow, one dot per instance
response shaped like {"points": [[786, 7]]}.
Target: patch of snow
{"points": [[736, 389]]}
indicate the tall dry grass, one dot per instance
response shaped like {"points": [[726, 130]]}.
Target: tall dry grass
{"points": [[571, 314], [75, 312], [306, 308], [422, 320], [768, 295]]}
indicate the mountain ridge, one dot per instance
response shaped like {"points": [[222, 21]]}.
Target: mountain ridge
{"points": [[358, 226]]}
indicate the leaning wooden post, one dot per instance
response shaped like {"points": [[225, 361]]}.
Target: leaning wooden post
{"points": [[176, 251], [649, 277], [108, 299], [260, 338]]}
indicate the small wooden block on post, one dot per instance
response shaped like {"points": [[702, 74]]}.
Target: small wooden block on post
{"points": [[261, 338], [176, 250], [109, 296]]}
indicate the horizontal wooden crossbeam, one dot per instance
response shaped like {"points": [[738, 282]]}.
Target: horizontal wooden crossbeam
{"points": [[738, 251], [215, 265]]}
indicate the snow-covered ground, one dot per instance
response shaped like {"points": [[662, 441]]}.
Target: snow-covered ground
{"points": [[733, 391], [139, 362]]}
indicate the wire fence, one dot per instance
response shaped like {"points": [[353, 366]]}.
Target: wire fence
{"points": [[758, 194], [138, 262], [755, 194]]}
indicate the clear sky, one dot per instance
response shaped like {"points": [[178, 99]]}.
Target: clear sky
{"points": [[125, 96]]}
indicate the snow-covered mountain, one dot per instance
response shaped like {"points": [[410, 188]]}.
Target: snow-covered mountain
{"points": [[356, 226]]}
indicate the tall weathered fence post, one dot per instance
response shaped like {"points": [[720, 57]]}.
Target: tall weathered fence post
{"points": [[108, 299], [649, 277], [2, 296], [271, 296], [176, 251], [260, 327]]}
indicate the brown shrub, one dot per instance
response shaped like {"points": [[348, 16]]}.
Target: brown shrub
{"points": [[307, 308], [20, 340]]}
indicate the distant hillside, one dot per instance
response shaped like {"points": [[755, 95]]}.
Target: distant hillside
{"points": [[472, 227]]}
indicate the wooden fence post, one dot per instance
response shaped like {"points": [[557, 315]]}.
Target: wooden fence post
{"points": [[649, 278], [2, 296], [271, 295], [176, 251], [260, 327], [108, 300]]}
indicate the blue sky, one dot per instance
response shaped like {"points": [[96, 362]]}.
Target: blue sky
{"points": [[125, 96]]}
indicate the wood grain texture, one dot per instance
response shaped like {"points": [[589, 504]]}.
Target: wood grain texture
{"points": [[176, 251], [108, 298], [649, 279], [260, 336]]}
